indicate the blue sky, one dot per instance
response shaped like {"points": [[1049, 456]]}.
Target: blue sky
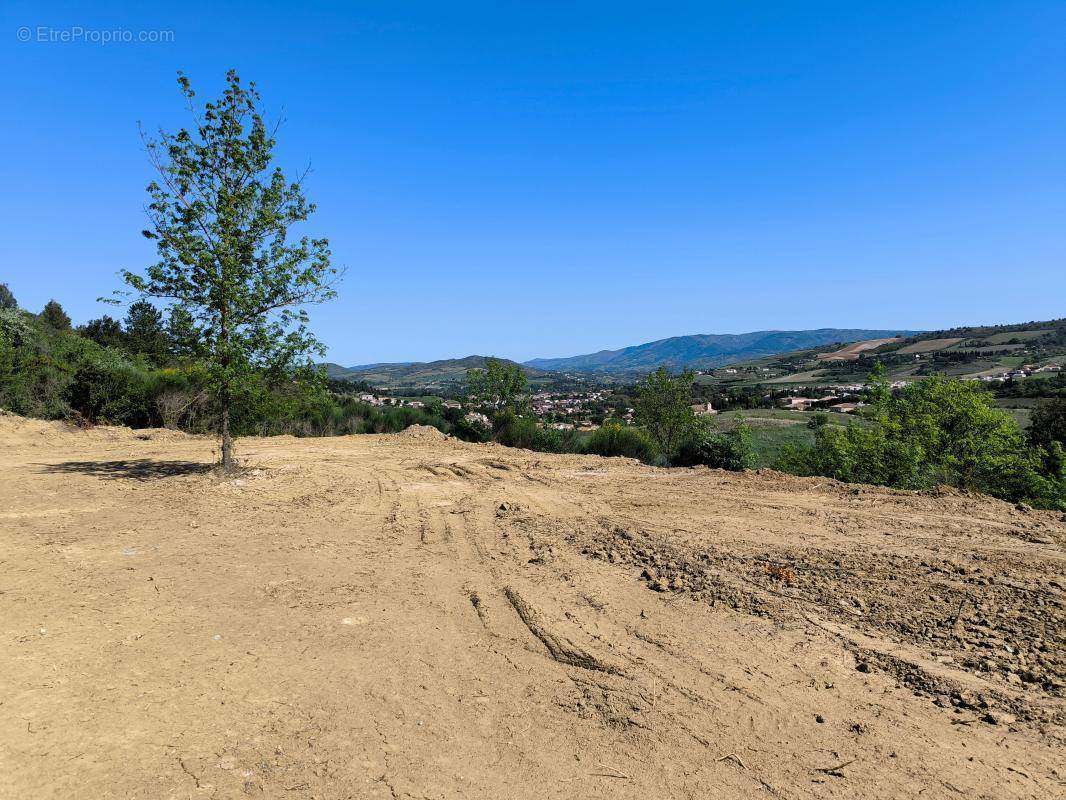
{"points": [[555, 178]]}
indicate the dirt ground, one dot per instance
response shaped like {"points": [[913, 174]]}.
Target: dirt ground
{"points": [[413, 617]]}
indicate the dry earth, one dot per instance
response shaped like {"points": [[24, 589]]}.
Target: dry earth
{"points": [[413, 617]]}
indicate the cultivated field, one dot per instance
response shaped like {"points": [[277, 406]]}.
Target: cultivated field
{"points": [[851, 352], [930, 345], [408, 616]]}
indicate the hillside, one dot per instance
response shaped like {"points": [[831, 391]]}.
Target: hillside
{"points": [[972, 352], [705, 351], [409, 616], [420, 375]]}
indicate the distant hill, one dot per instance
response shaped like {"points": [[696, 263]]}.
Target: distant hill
{"points": [[418, 374], [706, 351], [972, 352]]}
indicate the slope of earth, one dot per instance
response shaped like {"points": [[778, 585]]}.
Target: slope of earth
{"points": [[409, 616]]}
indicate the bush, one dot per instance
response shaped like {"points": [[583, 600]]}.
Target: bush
{"points": [[712, 448], [1047, 425], [615, 439], [932, 432], [516, 431], [113, 391]]}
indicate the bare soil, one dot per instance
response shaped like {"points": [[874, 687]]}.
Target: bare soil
{"points": [[413, 617]]}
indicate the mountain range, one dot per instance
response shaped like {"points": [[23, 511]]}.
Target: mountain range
{"points": [[698, 351], [706, 351], [417, 373]]}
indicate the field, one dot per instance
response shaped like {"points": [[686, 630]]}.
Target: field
{"points": [[810, 376], [1001, 338], [772, 430], [930, 345], [411, 616], [851, 352]]}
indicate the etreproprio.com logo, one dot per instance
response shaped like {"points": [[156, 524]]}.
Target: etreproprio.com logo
{"points": [[76, 34]]}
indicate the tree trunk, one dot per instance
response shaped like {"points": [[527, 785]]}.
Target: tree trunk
{"points": [[227, 439]]}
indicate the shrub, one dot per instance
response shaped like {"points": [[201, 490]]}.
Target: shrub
{"points": [[933, 431], [114, 391], [731, 450], [615, 439], [517, 431]]}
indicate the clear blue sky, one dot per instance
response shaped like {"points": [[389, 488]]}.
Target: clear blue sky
{"points": [[535, 179]]}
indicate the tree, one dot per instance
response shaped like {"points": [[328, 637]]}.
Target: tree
{"points": [[54, 315], [499, 385], [7, 299], [144, 331], [220, 216], [105, 331], [934, 431], [664, 407], [1047, 424], [181, 333], [1047, 434]]}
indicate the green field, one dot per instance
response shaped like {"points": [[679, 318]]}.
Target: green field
{"points": [[770, 442], [772, 429]]}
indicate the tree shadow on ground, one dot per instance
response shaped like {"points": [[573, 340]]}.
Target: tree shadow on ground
{"points": [[138, 469]]}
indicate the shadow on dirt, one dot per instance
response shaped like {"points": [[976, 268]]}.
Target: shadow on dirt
{"points": [[138, 469]]}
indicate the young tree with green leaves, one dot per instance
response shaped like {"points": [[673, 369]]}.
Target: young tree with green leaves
{"points": [[500, 385], [220, 216], [664, 407]]}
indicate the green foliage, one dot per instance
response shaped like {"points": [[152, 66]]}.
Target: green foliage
{"points": [[732, 450], [664, 408], [7, 299], [1047, 434], [182, 335], [616, 439], [499, 385], [33, 373], [1047, 423], [105, 331], [54, 315], [144, 332], [220, 217], [50, 373], [935, 431], [109, 389]]}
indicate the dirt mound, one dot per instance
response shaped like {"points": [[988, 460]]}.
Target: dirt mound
{"points": [[16, 429], [400, 616], [424, 432]]}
